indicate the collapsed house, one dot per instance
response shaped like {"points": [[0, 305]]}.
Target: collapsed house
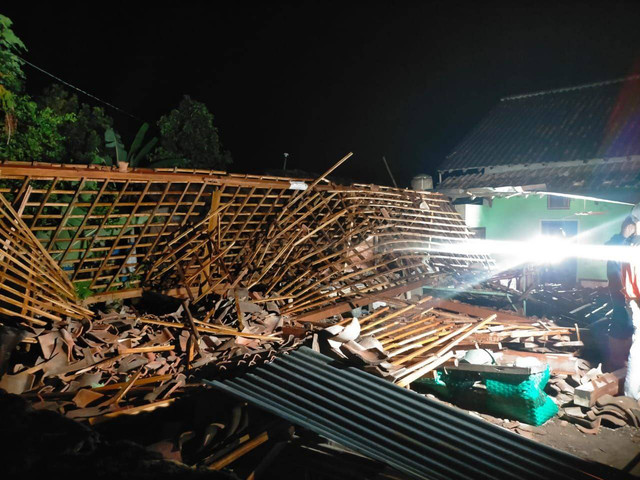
{"points": [[251, 271], [206, 231]]}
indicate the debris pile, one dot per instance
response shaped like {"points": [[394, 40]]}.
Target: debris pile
{"points": [[320, 249], [243, 252], [612, 411], [565, 305], [125, 362], [189, 440], [245, 270], [406, 343], [591, 398], [569, 305]]}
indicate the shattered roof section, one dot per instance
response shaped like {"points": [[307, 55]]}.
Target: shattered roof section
{"points": [[32, 285], [198, 232], [582, 177], [595, 121]]}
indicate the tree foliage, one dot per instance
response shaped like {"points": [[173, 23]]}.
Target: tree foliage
{"points": [[83, 138], [60, 128], [37, 136], [188, 138], [138, 150], [29, 133], [11, 74]]}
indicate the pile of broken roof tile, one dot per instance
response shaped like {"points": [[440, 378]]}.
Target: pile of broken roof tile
{"points": [[125, 361]]}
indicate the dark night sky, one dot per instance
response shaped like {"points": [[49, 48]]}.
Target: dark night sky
{"points": [[318, 79]]}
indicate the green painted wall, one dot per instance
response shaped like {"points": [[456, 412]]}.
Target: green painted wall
{"points": [[519, 218]]}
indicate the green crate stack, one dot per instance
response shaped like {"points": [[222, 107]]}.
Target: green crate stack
{"points": [[520, 397]]}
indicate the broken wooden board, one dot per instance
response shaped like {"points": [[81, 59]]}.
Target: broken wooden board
{"points": [[33, 288]]}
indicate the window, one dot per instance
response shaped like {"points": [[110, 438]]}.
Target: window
{"points": [[558, 203], [479, 232]]}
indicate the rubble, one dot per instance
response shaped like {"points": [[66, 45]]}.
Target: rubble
{"points": [[122, 353], [565, 305], [123, 291], [407, 343]]}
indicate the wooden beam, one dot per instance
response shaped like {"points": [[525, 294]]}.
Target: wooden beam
{"points": [[243, 449], [480, 312], [323, 313], [180, 293], [48, 171]]}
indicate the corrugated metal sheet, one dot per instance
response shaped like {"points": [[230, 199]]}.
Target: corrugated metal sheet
{"points": [[584, 177], [581, 123], [417, 436]]}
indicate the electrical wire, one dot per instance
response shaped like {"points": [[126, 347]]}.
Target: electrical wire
{"points": [[78, 89]]}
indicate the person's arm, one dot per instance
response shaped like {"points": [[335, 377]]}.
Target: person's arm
{"points": [[630, 287]]}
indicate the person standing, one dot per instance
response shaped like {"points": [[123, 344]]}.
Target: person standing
{"points": [[631, 291], [621, 328]]}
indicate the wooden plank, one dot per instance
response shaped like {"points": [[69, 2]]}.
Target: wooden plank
{"points": [[480, 312], [180, 292], [425, 368], [503, 369], [194, 330], [138, 383], [243, 449], [208, 328], [137, 174], [324, 313], [397, 313]]}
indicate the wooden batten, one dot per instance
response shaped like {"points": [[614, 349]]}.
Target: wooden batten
{"points": [[323, 248], [32, 285]]}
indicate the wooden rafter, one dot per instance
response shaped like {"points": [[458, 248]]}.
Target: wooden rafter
{"points": [[197, 229]]}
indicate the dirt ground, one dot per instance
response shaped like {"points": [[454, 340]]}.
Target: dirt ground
{"points": [[617, 448]]}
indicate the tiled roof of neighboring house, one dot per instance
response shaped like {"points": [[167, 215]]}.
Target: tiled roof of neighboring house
{"points": [[600, 120], [591, 177]]}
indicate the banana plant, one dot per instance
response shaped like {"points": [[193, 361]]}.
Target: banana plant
{"points": [[138, 149]]}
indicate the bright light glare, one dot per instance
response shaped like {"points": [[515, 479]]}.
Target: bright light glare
{"points": [[540, 250]]}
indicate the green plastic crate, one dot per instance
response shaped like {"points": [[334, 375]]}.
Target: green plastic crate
{"points": [[519, 397], [521, 386], [534, 413]]}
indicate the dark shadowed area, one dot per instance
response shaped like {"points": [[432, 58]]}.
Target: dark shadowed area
{"points": [[318, 79]]}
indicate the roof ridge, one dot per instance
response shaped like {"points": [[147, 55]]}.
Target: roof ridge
{"points": [[497, 169], [569, 89]]}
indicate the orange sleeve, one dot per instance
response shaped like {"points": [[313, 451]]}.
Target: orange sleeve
{"points": [[630, 287]]}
